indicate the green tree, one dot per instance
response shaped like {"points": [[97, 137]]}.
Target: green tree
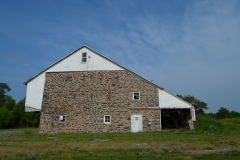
{"points": [[235, 114], [6, 118], [25, 118], [223, 113], [19, 113], [32, 119], [10, 102], [200, 105], [4, 88]]}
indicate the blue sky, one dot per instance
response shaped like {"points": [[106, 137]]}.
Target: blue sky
{"points": [[187, 47]]}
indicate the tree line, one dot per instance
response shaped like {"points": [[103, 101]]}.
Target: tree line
{"points": [[202, 106], [12, 114]]}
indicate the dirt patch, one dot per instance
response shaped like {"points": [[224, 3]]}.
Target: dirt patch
{"points": [[205, 151], [138, 144], [101, 140]]}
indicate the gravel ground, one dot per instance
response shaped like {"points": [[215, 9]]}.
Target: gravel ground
{"points": [[10, 132]]}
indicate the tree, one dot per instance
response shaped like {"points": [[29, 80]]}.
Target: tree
{"points": [[6, 118], [235, 114], [10, 102], [223, 113], [25, 118], [32, 118], [4, 88], [200, 105], [19, 112]]}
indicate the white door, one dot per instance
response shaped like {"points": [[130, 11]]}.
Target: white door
{"points": [[136, 123]]}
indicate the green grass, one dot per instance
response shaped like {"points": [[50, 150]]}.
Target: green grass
{"points": [[128, 154], [209, 141]]}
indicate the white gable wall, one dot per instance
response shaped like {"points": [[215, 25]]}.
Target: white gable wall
{"points": [[94, 63], [168, 101], [72, 63], [34, 94]]}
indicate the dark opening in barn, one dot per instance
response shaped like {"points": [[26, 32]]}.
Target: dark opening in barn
{"points": [[176, 118]]}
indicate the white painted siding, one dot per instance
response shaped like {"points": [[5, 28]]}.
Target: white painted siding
{"points": [[34, 94], [94, 63], [167, 100], [72, 63]]}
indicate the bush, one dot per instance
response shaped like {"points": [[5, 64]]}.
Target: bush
{"points": [[206, 123], [232, 120], [212, 115]]}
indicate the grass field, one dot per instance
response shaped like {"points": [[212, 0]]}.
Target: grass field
{"points": [[211, 140]]}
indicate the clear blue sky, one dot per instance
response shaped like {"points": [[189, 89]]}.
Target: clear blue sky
{"points": [[187, 47]]}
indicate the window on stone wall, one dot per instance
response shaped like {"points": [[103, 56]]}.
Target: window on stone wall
{"points": [[84, 57], [107, 119], [62, 119], [136, 95]]}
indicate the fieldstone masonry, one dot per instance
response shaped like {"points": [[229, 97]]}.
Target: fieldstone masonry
{"points": [[85, 97]]}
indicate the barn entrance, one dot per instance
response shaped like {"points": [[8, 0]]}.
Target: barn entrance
{"points": [[175, 118], [136, 123]]}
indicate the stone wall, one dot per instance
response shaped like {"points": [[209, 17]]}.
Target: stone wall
{"points": [[85, 97]]}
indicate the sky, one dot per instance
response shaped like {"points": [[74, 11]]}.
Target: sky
{"points": [[188, 47]]}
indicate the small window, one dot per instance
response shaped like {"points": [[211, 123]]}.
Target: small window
{"points": [[62, 119], [136, 95], [107, 119], [84, 57]]}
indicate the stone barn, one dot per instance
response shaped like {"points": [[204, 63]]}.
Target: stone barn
{"points": [[86, 92]]}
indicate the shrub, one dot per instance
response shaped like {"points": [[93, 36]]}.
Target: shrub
{"points": [[207, 123], [232, 120]]}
